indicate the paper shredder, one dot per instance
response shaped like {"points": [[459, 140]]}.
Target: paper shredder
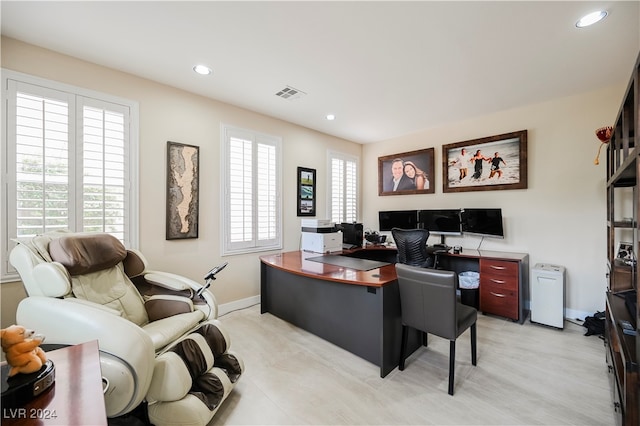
{"points": [[548, 294]]}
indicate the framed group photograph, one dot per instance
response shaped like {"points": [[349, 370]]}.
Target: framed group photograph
{"points": [[406, 173], [183, 163], [491, 163], [306, 192]]}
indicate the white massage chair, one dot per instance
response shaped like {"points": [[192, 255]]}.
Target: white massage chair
{"points": [[161, 347]]}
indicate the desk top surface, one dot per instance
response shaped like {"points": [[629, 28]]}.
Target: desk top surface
{"points": [[466, 252], [296, 262]]}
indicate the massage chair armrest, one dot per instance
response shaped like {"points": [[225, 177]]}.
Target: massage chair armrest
{"points": [[161, 306], [64, 322], [170, 281], [174, 282], [94, 305]]}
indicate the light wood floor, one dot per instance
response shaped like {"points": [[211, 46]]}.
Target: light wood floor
{"points": [[526, 375]]}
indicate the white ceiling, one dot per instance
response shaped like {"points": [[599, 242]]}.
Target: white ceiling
{"points": [[384, 68]]}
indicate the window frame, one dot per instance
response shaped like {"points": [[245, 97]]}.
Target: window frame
{"points": [[77, 97], [331, 155], [228, 248]]}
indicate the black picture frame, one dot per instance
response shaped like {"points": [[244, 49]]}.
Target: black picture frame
{"points": [[509, 151], [306, 191], [423, 164], [183, 175]]}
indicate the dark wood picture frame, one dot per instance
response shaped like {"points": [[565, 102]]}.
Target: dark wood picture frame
{"points": [[306, 191], [183, 174], [423, 164], [501, 164]]}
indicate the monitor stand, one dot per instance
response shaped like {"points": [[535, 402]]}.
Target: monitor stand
{"points": [[442, 245]]}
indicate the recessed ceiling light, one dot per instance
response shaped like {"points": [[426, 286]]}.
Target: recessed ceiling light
{"points": [[591, 18], [331, 117], [202, 69]]}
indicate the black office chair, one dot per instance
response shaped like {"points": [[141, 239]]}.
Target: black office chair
{"points": [[429, 304], [412, 247]]}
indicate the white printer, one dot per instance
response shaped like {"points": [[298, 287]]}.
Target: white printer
{"points": [[320, 236]]}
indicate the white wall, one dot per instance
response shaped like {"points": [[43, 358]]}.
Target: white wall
{"points": [[169, 114], [560, 218]]}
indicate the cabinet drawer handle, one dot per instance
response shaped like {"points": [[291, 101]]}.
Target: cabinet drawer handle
{"points": [[498, 281], [496, 294], [500, 268]]}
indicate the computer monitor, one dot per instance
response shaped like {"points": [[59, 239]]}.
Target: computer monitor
{"points": [[482, 222], [404, 219], [440, 221], [352, 234]]}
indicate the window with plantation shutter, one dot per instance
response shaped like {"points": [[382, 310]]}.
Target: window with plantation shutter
{"points": [[69, 162], [343, 187], [251, 210], [105, 170]]}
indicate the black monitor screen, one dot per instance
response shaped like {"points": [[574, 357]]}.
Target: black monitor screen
{"points": [[440, 222], [484, 222], [352, 234], [404, 219]]}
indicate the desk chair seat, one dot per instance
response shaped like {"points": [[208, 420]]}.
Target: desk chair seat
{"points": [[428, 303]]}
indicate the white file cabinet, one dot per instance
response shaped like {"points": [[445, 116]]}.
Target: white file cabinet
{"points": [[548, 294]]}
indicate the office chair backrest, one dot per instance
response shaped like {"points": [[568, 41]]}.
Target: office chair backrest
{"points": [[412, 246], [428, 300]]}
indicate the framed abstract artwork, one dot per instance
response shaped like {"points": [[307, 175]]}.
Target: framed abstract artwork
{"points": [[183, 169]]}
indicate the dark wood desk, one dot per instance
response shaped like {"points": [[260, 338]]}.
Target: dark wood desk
{"points": [[76, 398], [504, 276], [504, 279], [360, 310], [356, 310]]}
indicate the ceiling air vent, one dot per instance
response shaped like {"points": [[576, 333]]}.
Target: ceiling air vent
{"points": [[290, 93]]}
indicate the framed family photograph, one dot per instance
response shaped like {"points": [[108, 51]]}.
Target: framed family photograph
{"points": [[183, 171], [306, 192], [406, 173], [491, 163]]}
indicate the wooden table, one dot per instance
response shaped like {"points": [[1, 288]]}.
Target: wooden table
{"points": [[76, 398]]}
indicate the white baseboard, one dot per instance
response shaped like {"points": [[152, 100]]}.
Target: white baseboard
{"points": [[575, 314], [569, 314], [238, 304], [225, 308]]}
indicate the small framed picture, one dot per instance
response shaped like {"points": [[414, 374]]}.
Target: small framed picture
{"points": [[306, 191], [625, 252]]}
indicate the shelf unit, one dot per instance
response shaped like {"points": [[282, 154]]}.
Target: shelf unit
{"points": [[623, 183]]}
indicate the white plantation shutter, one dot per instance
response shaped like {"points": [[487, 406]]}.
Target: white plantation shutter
{"points": [[343, 187], [41, 170], [351, 191], [68, 163], [104, 157], [267, 196], [240, 199], [251, 193]]}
